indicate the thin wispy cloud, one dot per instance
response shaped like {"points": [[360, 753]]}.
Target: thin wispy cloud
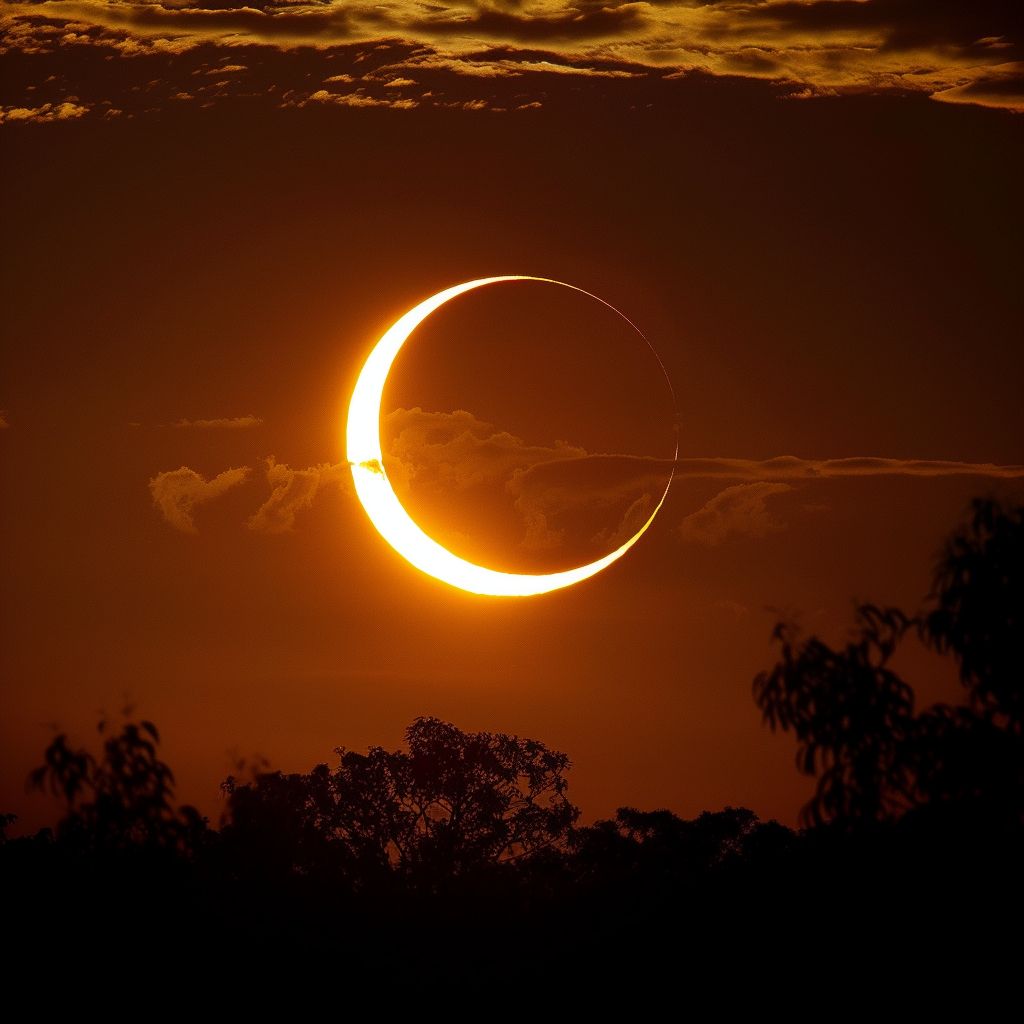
{"points": [[738, 511], [790, 467], [220, 423], [780, 467], [438, 453], [542, 483]]}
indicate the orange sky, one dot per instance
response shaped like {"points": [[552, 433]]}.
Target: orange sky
{"points": [[191, 290]]}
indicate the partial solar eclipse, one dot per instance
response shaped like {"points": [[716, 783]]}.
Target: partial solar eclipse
{"points": [[381, 503]]}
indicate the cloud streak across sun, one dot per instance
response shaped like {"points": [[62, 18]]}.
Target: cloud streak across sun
{"points": [[456, 453]]}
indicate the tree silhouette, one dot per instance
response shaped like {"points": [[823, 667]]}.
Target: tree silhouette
{"points": [[122, 801], [978, 612], [458, 857], [851, 714], [451, 804], [854, 718], [659, 845]]}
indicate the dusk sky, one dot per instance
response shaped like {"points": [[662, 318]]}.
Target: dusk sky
{"points": [[811, 210]]}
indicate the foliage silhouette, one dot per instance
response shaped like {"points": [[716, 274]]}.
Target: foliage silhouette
{"points": [[978, 611], [854, 719], [124, 800], [655, 847], [453, 803], [851, 714], [459, 859]]}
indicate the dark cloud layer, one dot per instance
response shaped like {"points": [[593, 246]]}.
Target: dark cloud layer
{"points": [[577, 22], [910, 24], [952, 51]]}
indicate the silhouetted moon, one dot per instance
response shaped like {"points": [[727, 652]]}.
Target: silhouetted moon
{"points": [[381, 503]]}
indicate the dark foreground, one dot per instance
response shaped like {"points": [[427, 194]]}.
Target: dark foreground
{"points": [[452, 878]]}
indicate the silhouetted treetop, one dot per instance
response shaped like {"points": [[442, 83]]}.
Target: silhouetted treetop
{"points": [[122, 800], [452, 802], [851, 715], [978, 612], [652, 845], [454, 867], [854, 717]]}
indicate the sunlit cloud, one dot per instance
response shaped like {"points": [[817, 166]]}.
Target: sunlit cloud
{"points": [[738, 511], [1003, 89], [781, 467], [456, 450], [43, 114], [293, 491], [495, 64], [789, 467], [435, 455], [177, 493], [357, 99], [221, 423], [967, 53]]}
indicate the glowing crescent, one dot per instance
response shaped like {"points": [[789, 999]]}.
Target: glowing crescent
{"points": [[386, 512]]}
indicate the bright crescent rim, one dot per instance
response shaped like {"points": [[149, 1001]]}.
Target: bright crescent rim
{"points": [[381, 503]]}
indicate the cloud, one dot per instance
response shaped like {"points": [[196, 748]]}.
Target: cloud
{"points": [[224, 423], [902, 24], [433, 454], [545, 490], [206, 20], [632, 519], [177, 493], [738, 511], [455, 450], [508, 62], [576, 21], [43, 114], [620, 486], [789, 467], [783, 467], [1004, 90], [357, 99], [293, 490], [950, 50]]}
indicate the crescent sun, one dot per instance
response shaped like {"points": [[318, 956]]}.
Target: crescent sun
{"points": [[381, 503]]}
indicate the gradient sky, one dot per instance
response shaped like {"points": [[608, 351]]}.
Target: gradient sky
{"points": [[811, 210]]}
